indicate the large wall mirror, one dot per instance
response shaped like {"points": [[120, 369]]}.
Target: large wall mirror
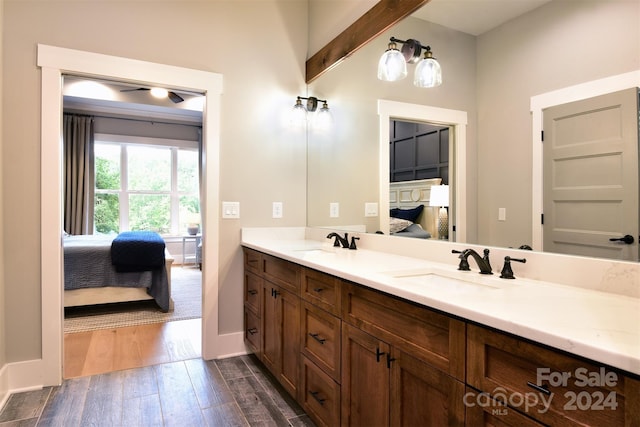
{"points": [[491, 74]]}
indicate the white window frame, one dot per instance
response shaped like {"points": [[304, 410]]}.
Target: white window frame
{"points": [[123, 193]]}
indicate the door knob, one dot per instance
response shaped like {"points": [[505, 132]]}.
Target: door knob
{"points": [[628, 239]]}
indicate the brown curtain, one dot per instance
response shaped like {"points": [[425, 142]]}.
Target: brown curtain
{"points": [[78, 138]]}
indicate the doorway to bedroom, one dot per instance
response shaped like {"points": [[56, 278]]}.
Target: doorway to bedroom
{"points": [[143, 157]]}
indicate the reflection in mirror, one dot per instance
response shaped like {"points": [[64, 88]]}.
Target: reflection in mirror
{"points": [[418, 162], [492, 76]]}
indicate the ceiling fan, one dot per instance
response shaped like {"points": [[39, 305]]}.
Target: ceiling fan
{"points": [[161, 93]]}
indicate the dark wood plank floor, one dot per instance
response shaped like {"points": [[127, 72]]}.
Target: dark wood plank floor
{"points": [[236, 391]]}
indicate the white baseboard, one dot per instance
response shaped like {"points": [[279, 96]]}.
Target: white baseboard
{"points": [[19, 377], [230, 345], [4, 385]]}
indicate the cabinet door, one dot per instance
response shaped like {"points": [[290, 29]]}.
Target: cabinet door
{"points": [[365, 379], [423, 395], [288, 321], [270, 329], [281, 335]]}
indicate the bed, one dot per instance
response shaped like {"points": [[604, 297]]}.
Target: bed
{"points": [[410, 213], [142, 269]]}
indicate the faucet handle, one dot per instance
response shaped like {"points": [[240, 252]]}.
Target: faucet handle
{"points": [[486, 259], [353, 242], [507, 272], [464, 264]]}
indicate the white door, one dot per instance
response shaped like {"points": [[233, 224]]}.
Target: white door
{"points": [[591, 177]]}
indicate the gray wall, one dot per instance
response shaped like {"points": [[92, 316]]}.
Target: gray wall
{"points": [[258, 46], [560, 44]]}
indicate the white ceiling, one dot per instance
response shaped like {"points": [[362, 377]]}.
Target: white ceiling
{"points": [[475, 16], [105, 97]]}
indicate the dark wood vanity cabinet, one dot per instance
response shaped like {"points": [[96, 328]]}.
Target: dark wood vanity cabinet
{"points": [[321, 346], [550, 386], [402, 364], [354, 356], [272, 315]]}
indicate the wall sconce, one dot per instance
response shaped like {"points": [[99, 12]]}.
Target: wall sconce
{"points": [[299, 114], [393, 63], [440, 197]]}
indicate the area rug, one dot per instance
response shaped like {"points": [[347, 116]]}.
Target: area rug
{"points": [[186, 291]]}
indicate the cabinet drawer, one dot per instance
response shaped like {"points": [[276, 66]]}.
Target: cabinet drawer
{"points": [[322, 290], [283, 273], [485, 412], [320, 335], [252, 331], [252, 289], [252, 260], [321, 395], [561, 389], [424, 333]]}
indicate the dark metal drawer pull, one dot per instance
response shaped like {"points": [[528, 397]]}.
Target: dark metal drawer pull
{"points": [[315, 396], [378, 354], [253, 292], [252, 330], [318, 290], [541, 389], [317, 338]]}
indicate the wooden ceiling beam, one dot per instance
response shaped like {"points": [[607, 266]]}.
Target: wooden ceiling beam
{"points": [[375, 21]]}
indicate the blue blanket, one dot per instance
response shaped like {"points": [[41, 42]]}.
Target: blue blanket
{"points": [[137, 251]]}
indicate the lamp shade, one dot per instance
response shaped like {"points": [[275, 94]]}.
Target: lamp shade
{"points": [[428, 72], [439, 195], [392, 65], [298, 118], [323, 120]]}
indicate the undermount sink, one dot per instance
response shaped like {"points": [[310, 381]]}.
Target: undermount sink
{"points": [[442, 280]]}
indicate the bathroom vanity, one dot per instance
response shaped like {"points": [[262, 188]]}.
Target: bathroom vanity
{"points": [[369, 337]]}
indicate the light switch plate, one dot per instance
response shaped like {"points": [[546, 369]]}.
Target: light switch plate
{"points": [[370, 209], [230, 210], [334, 210], [277, 209], [502, 214]]}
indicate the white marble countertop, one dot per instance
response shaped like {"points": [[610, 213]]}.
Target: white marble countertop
{"points": [[601, 326]]}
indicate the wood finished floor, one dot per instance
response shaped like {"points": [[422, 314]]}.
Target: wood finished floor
{"points": [[153, 375], [107, 350]]}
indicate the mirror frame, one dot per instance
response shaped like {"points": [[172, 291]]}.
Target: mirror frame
{"points": [[382, 16]]}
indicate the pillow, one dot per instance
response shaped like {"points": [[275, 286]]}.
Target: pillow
{"points": [[415, 230], [409, 214], [397, 224]]}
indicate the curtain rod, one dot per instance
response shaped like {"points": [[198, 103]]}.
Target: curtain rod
{"points": [[132, 119]]}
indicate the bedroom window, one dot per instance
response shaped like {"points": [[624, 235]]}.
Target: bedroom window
{"points": [[144, 186]]}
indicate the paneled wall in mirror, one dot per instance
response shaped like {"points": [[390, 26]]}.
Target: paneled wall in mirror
{"points": [[492, 77]]}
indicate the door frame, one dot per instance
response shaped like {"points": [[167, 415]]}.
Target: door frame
{"points": [[457, 121], [56, 61], [551, 99]]}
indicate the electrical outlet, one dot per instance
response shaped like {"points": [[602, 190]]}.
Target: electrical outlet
{"points": [[502, 214], [277, 209], [371, 209], [231, 210], [334, 210]]}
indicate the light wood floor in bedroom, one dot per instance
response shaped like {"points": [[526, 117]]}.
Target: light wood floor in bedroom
{"points": [[108, 350]]}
